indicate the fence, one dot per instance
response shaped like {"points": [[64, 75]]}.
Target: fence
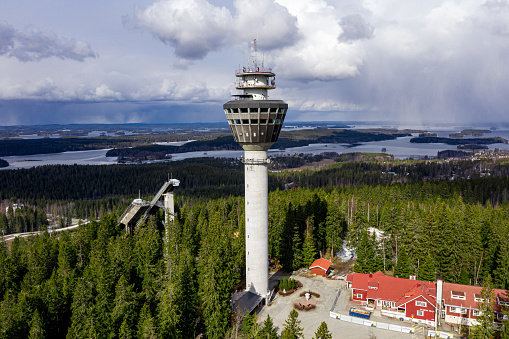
{"points": [[384, 326]]}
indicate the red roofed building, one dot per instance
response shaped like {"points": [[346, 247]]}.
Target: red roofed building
{"points": [[395, 297], [320, 267], [461, 303]]}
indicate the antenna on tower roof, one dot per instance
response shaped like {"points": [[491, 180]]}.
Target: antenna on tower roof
{"points": [[255, 48]]}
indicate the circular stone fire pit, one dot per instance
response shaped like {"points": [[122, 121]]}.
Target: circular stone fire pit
{"points": [[307, 301]]}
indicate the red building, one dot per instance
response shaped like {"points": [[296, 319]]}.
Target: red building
{"points": [[460, 304], [395, 297], [320, 267]]}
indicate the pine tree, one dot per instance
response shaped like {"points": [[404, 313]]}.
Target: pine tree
{"points": [[323, 332], [484, 330], [292, 330], [402, 268]]}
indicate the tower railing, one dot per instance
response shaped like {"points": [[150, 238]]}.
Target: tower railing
{"points": [[253, 70], [249, 161]]}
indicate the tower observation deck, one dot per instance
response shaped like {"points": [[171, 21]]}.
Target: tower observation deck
{"points": [[255, 122]]}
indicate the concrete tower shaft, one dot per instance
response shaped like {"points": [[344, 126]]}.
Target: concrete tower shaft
{"points": [[255, 122], [257, 223]]}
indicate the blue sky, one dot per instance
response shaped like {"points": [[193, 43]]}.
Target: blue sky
{"points": [[122, 61]]}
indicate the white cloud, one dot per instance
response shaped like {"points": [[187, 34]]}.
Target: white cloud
{"points": [[33, 45], [104, 93], [355, 27], [192, 27], [269, 22], [435, 59]]}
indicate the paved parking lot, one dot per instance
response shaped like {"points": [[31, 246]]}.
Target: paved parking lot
{"points": [[310, 320]]}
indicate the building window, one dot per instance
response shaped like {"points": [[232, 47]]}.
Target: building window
{"points": [[420, 303], [501, 316], [500, 302], [458, 310], [358, 296], [263, 121], [264, 110], [476, 313], [393, 304], [379, 302], [458, 295], [254, 121], [420, 313], [477, 297], [245, 121]]}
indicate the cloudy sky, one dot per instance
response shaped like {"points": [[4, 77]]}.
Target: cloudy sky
{"points": [[132, 61]]}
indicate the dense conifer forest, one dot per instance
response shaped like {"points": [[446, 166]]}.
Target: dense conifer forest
{"points": [[175, 279]]}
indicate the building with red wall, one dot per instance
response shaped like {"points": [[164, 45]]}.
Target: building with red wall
{"points": [[404, 299], [320, 267], [415, 300], [460, 304]]}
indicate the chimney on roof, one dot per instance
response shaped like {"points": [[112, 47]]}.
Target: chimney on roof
{"points": [[438, 312], [371, 275]]}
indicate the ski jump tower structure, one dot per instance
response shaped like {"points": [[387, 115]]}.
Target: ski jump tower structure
{"points": [[255, 122]]}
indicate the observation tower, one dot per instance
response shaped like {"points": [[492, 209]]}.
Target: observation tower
{"points": [[255, 122]]}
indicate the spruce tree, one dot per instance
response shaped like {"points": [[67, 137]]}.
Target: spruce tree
{"points": [[125, 331], [36, 327], [308, 253], [292, 330], [504, 334], [323, 332], [464, 280], [402, 268], [427, 270], [250, 327], [146, 328], [501, 274], [483, 329], [268, 331], [361, 262]]}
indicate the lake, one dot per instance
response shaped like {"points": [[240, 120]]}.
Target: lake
{"points": [[401, 148]]}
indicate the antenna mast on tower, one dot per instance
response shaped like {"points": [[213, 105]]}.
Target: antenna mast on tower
{"points": [[255, 48]]}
